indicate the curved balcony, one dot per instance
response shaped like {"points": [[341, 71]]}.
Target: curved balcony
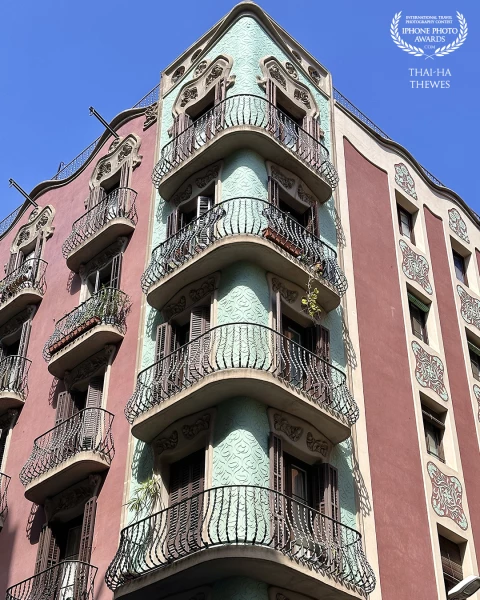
{"points": [[13, 382], [98, 321], [68, 453], [245, 121], [240, 530], [67, 580], [234, 230], [4, 483], [23, 286], [100, 226], [244, 359]]}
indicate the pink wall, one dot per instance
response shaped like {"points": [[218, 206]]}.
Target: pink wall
{"points": [[403, 538], [456, 368], [18, 539]]}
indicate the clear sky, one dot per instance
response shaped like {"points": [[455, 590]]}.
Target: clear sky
{"points": [[59, 57]]}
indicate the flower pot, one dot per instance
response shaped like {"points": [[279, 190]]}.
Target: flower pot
{"points": [[282, 241]]}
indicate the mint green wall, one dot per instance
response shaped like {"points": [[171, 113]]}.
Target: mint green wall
{"points": [[239, 588]]}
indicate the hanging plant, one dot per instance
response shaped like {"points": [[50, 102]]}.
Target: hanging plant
{"points": [[310, 302], [145, 497]]}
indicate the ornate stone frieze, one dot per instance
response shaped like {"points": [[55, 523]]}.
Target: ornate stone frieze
{"points": [[469, 308], [458, 225], [194, 185], [319, 446], [314, 74], [281, 424], [210, 175], [104, 169], [16, 322], [276, 74], [72, 497], [196, 54], [188, 95], [150, 115], [189, 295], [178, 74], [282, 179], [476, 391], [182, 196], [176, 308], [415, 267], [214, 74], [202, 65], [303, 97], [89, 367], [122, 150], [292, 184], [405, 180], [291, 70], [39, 222], [103, 258], [207, 287], [288, 295], [201, 424], [447, 496], [302, 194], [429, 371], [166, 443]]}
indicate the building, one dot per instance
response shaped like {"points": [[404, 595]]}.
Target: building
{"points": [[300, 374]]}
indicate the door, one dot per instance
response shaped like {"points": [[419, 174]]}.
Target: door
{"points": [[293, 360], [90, 433], [199, 346]]}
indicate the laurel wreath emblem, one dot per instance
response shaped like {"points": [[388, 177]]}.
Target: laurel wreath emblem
{"points": [[416, 51]]}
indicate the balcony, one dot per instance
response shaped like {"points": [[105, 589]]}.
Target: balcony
{"points": [[245, 121], [100, 226], [72, 450], [26, 285], [244, 229], [240, 530], [4, 483], [67, 580], [13, 382], [98, 321], [245, 359]]}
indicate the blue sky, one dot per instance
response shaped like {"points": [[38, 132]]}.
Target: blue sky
{"points": [[57, 58]]}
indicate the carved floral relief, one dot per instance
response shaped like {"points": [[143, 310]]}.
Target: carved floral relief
{"points": [[469, 308], [404, 180], [458, 225], [415, 267], [447, 496], [429, 371]]}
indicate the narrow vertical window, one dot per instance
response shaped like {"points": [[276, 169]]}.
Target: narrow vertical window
{"points": [[434, 429], [474, 360], [405, 223], [460, 267], [418, 317], [451, 562]]}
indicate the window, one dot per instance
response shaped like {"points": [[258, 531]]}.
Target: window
{"points": [[405, 222], [306, 216], [474, 360], [107, 276], [460, 267], [434, 429], [418, 317], [451, 562]]}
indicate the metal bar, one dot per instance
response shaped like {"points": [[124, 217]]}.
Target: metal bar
{"points": [[13, 183], [103, 122]]}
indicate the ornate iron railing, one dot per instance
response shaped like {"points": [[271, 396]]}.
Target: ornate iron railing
{"points": [[119, 203], [67, 580], [108, 306], [6, 223], [241, 515], [240, 216], [30, 275], [89, 430], [352, 109], [253, 111], [4, 483], [14, 375], [244, 346]]}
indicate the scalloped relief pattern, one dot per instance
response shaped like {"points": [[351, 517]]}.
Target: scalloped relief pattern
{"points": [[404, 180], [470, 307], [415, 267], [458, 225], [429, 371], [447, 495]]}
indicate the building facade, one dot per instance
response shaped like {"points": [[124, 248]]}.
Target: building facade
{"points": [[257, 377]]}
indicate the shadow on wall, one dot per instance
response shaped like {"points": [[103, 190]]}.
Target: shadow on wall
{"points": [[74, 283], [142, 462], [35, 522], [55, 389], [349, 349], [363, 499]]}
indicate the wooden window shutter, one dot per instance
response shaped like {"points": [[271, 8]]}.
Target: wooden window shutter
{"points": [[24, 338], [39, 246], [451, 560], [161, 341], [199, 346], [312, 224], [220, 94], [325, 491], [277, 500], [273, 192], [88, 526], [173, 223], [65, 407], [116, 270], [48, 551], [96, 195], [276, 463], [12, 262], [204, 204], [91, 418], [95, 392], [125, 171], [322, 342], [272, 92]]}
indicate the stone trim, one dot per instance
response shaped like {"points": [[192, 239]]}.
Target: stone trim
{"points": [[292, 184], [16, 322], [290, 294], [72, 499], [189, 295], [89, 367], [103, 258], [195, 184], [120, 152], [39, 223]]}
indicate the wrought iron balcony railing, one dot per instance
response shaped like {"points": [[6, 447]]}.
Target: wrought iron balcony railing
{"points": [[4, 483], [109, 306], [252, 111], [240, 216], [89, 430], [247, 346], [67, 580], [14, 375], [119, 203], [30, 275], [241, 515]]}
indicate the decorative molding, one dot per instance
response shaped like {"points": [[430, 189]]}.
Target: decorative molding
{"points": [[476, 391], [415, 266], [315, 75], [458, 225], [196, 89], [303, 97], [207, 287], [182, 196], [195, 184], [16, 322], [166, 443], [282, 424], [151, 113], [178, 74], [201, 424], [287, 294], [429, 371], [89, 367], [210, 175], [447, 496], [282, 179], [39, 223], [276, 74], [173, 309], [103, 258], [469, 307], [119, 152], [291, 70], [404, 180], [292, 184], [189, 294], [73, 497], [319, 446], [306, 198]]}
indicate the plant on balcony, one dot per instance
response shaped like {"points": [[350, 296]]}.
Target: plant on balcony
{"points": [[145, 497], [310, 302]]}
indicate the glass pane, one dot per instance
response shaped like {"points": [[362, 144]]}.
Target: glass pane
{"points": [[73, 543], [405, 224], [299, 484]]}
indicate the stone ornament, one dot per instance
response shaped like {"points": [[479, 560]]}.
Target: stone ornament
{"points": [[176, 308], [39, 223], [429, 371], [458, 225], [201, 424], [447, 496], [194, 185], [167, 443], [72, 497], [319, 446], [210, 175], [207, 287], [185, 298], [287, 294], [291, 70], [282, 179], [188, 95], [89, 367], [292, 184], [404, 180], [178, 74], [304, 196], [302, 96], [125, 149], [469, 307], [150, 115], [415, 267], [200, 68], [476, 391], [281, 424], [276, 74], [103, 258], [314, 74]]}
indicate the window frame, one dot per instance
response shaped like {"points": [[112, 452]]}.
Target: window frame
{"points": [[431, 419], [413, 308], [403, 211], [458, 257]]}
